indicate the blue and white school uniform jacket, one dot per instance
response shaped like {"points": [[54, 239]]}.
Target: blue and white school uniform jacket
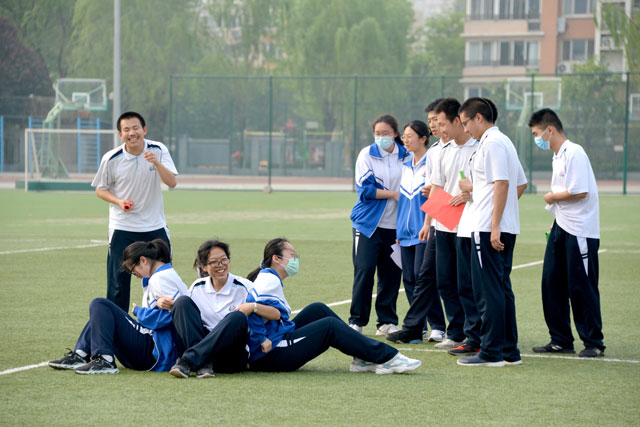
{"points": [[164, 282], [374, 172], [268, 290], [410, 216]]}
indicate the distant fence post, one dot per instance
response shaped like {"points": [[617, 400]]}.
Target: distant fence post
{"points": [[533, 87], [1, 144], [270, 125], [355, 132], [627, 107], [171, 148]]}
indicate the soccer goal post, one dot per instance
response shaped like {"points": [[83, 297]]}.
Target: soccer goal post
{"points": [[64, 155]]}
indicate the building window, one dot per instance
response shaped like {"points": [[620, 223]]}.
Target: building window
{"points": [[577, 50], [479, 54], [519, 53], [476, 91], [481, 10], [578, 7]]}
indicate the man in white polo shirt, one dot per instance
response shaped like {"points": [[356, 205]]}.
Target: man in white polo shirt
{"points": [[129, 179], [570, 270], [498, 181]]}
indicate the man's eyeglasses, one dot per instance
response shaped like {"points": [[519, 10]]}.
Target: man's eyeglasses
{"points": [[464, 124]]}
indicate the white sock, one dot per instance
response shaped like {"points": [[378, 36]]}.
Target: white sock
{"points": [[107, 358], [81, 353]]}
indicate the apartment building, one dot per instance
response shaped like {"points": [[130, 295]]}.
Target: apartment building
{"points": [[514, 37]]}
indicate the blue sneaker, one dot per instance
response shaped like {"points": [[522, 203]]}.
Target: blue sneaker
{"points": [[478, 361], [398, 365], [359, 365]]}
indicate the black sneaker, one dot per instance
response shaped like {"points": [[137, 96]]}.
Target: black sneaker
{"points": [[205, 372], [464, 349], [406, 336], [182, 369], [71, 360], [591, 352], [98, 365], [553, 348]]}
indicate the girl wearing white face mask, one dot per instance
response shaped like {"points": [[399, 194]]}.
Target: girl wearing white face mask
{"points": [[286, 345], [378, 175]]}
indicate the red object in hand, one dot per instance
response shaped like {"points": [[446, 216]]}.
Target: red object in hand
{"points": [[127, 206]]}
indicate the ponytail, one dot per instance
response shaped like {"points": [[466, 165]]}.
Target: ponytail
{"points": [[155, 250], [273, 247]]}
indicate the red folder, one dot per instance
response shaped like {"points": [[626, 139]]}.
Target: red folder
{"points": [[439, 208]]}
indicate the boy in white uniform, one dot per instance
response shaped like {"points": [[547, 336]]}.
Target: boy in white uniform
{"points": [[129, 179], [494, 218], [458, 297], [570, 270]]}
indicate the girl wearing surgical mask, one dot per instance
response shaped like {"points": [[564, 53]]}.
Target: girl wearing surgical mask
{"points": [[378, 175], [286, 345]]}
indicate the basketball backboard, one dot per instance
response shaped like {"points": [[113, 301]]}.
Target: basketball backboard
{"points": [[543, 92], [81, 94]]}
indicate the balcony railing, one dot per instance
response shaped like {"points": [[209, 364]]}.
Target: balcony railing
{"points": [[501, 63], [490, 16]]}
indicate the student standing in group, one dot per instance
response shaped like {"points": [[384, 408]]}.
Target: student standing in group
{"points": [[494, 220], [286, 345], [454, 158], [129, 179], [378, 173], [426, 301], [570, 270], [149, 344], [211, 321]]}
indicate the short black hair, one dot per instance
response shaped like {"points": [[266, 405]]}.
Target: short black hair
{"points": [[448, 106], [483, 106], [546, 117], [432, 105], [130, 115]]}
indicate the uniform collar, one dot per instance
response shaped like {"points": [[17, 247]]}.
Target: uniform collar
{"points": [[129, 156], [145, 280], [226, 289], [488, 132], [374, 151], [562, 149]]}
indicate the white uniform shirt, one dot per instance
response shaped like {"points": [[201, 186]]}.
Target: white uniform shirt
{"points": [[446, 173], [165, 282], [269, 286], [432, 159], [214, 306], [133, 178], [572, 172], [495, 159], [394, 175]]}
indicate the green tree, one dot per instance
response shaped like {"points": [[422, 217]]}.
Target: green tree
{"points": [[625, 32]]}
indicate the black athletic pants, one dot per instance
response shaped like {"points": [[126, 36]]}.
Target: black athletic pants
{"points": [[447, 282], [224, 346], [426, 300], [119, 279], [570, 273], [110, 331], [490, 270], [412, 257], [472, 321], [369, 255], [313, 337]]}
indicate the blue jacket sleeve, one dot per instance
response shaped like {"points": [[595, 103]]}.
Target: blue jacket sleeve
{"points": [[152, 318]]}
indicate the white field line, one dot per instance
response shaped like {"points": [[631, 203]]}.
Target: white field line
{"points": [[333, 304], [55, 248]]}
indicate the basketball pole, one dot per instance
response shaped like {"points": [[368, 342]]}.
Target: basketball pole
{"points": [[116, 68]]}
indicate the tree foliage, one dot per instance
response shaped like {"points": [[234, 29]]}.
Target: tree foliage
{"points": [[625, 32]]}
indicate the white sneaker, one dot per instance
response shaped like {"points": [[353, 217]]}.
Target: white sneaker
{"points": [[359, 365], [447, 343], [355, 327], [386, 329], [436, 335], [397, 365]]}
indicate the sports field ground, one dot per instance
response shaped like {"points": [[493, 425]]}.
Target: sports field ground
{"points": [[53, 249]]}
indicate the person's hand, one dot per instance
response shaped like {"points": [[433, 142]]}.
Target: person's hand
{"points": [[495, 239], [548, 198], [165, 303], [246, 308], [150, 157], [426, 190], [423, 235], [266, 345], [463, 197], [465, 185], [125, 204], [396, 196], [133, 306]]}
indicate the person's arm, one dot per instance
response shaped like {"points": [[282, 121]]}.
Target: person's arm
{"points": [[166, 176], [387, 194], [521, 189], [500, 190], [264, 311], [564, 196], [108, 196]]}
